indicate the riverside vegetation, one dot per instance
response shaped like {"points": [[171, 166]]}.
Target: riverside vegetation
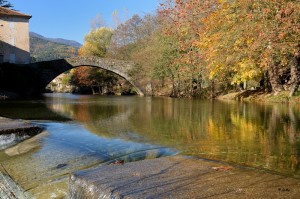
{"points": [[193, 48], [200, 48]]}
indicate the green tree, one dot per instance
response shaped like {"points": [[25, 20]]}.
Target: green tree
{"points": [[96, 42]]}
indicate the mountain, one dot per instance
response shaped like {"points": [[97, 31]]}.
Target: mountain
{"points": [[57, 40], [44, 49]]}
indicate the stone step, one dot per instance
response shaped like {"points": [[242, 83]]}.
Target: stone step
{"points": [[179, 177]]}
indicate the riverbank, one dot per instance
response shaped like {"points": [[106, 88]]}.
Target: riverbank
{"points": [[260, 96], [179, 177], [247, 95]]}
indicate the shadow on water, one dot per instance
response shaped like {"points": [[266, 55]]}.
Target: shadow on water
{"points": [[29, 110]]}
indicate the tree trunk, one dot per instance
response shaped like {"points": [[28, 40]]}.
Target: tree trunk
{"points": [[93, 90], [178, 85], [295, 74], [212, 92], [274, 78], [267, 84], [101, 90], [173, 86]]}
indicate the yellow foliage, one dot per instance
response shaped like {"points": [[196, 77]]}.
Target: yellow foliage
{"points": [[246, 70], [96, 42]]}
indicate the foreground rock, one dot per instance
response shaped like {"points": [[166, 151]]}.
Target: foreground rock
{"points": [[179, 177], [13, 132], [9, 126]]}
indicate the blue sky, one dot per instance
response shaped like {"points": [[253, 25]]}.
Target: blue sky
{"points": [[69, 19]]}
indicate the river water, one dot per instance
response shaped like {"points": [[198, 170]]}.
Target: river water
{"points": [[85, 131]]}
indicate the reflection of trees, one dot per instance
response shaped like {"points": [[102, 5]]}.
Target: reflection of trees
{"points": [[29, 111], [252, 134], [99, 118], [265, 136]]}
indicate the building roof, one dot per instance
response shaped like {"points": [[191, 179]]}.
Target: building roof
{"points": [[9, 12]]}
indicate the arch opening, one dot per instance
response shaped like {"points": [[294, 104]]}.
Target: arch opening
{"points": [[91, 80], [49, 70]]}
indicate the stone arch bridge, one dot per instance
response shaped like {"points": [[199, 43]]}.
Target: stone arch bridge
{"points": [[36, 76]]}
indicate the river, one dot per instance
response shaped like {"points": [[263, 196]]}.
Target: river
{"points": [[85, 131]]}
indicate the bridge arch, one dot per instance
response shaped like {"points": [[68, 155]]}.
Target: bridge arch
{"points": [[49, 70]]}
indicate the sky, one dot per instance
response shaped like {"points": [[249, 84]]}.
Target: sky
{"points": [[69, 19]]}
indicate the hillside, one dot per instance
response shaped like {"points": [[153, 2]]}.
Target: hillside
{"points": [[57, 40], [43, 49]]}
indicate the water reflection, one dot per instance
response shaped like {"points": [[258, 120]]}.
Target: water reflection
{"points": [[29, 110], [258, 135], [134, 128]]}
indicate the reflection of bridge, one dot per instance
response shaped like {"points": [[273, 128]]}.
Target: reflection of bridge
{"points": [[39, 75]]}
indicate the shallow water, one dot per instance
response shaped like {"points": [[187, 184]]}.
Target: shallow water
{"points": [[84, 131]]}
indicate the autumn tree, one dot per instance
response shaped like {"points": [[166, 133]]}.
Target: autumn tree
{"points": [[182, 22], [246, 40], [97, 80], [138, 40], [125, 37], [201, 47], [230, 41], [96, 43]]}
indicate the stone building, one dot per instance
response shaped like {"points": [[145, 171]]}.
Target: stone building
{"points": [[14, 37]]}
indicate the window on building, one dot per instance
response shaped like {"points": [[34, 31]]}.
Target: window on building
{"points": [[12, 58]]}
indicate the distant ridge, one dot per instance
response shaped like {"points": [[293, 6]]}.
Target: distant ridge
{"points": [[57, 40], [44, 49]]}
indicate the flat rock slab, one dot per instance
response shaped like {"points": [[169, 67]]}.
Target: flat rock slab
{"points": [[179, 177], [9, 126]]}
